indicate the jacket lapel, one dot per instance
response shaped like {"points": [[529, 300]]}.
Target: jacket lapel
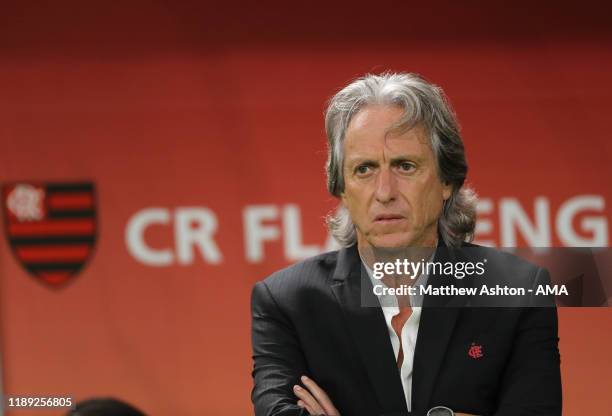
{"points": [[435, 329], [368, 329], [438, 318]]}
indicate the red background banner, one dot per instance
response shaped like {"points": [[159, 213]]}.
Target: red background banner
{"points": [[201, 127]]}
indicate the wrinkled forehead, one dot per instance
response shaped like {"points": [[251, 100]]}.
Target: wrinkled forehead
{"points": [[383, 122], [375, 129]]}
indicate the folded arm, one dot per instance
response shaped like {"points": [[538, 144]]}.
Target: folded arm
{"points": [[277, 356]]}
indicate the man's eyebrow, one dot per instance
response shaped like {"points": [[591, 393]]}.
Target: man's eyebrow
{"points": [[360, 159], [405, 157], [395, 159]]}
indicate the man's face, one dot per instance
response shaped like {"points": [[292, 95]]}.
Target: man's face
{"points": [[392, 190]]}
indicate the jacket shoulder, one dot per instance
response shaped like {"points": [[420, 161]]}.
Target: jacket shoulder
{"points": [[502, 265], [311, 271]]}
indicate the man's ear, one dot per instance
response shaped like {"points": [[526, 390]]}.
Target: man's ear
{"points": [[447, 190]]}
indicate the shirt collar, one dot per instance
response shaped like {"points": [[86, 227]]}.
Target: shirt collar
{"points": [[389, 302]]}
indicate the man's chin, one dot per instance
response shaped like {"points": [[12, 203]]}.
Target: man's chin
{"points": [[395, 241]]}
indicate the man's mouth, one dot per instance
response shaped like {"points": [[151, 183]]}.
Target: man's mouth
{"points": [[388, 218]]}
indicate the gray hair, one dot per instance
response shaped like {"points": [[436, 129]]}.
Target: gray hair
{"points": [[425, 105]]}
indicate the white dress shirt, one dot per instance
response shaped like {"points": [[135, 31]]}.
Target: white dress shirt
{"points": [[409, 331]]}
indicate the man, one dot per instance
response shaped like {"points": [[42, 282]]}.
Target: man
{"points": [[397, 164]]}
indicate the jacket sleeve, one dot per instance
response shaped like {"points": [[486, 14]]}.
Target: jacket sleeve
{"points": [[531, 384], [278, 360]]}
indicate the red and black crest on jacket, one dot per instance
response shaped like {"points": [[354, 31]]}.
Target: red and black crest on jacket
{"points": [[51, 227]]}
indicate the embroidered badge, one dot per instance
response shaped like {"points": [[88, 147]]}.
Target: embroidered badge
{"points": [[475, 351]]}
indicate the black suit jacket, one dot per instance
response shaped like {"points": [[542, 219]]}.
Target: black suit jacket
{"points": [[308, 320]]}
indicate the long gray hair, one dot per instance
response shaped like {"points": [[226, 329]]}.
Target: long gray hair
{"points": [[425, 105]]}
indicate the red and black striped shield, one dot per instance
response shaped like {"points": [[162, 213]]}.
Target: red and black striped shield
{"points": [[51, 227]]}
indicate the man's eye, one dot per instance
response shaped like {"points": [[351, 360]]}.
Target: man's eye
{"points": [[406, 166], [362, 169]]}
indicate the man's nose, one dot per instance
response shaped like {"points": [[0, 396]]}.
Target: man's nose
{"points": [[386, 186]]}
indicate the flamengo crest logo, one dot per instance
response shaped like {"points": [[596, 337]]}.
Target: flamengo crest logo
{"points": [[475, 351], [51, 228]]}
